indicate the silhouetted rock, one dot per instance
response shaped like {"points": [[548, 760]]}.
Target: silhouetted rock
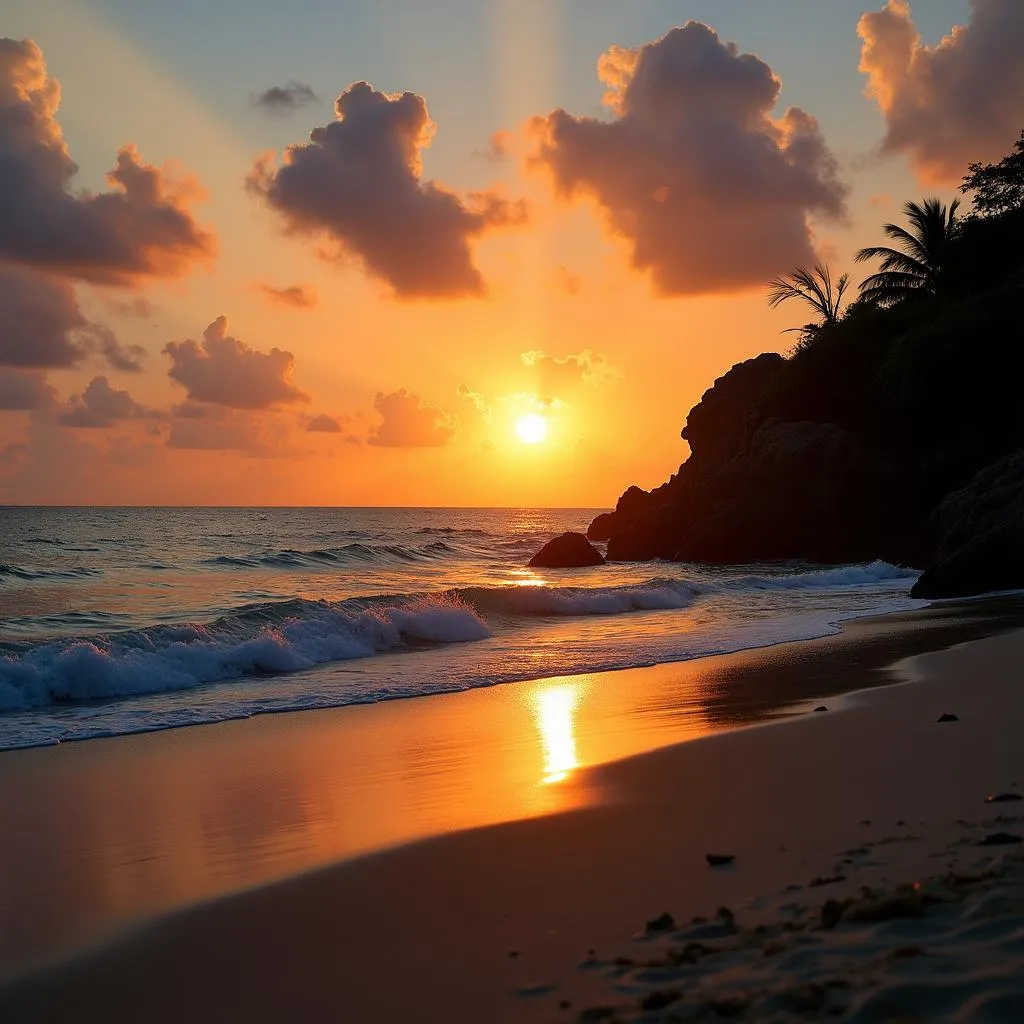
{"points": [[843, 450], [1002, 798], [946, 716], [982, 535], [717, 860], [567, 551], [632, 501], [662, 923], [719, 425]]}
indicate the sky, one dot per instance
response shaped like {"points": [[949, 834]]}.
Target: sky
{"points": [[470, 252]]}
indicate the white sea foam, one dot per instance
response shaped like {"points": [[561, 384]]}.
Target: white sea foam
{"points": [[165, 660]]}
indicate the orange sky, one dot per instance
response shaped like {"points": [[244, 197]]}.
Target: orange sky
{"points": [[543, 279]]}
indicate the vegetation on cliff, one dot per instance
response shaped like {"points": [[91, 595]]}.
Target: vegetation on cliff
{"points": [[843, 450]]}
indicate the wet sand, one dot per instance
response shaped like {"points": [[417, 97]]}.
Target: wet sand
{"points": [[427, 929]]}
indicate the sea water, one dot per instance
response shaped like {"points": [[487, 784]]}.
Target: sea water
{"points": [[120, 620]]}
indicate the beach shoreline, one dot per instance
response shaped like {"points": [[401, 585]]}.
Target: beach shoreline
{"points": [[614, 807]]}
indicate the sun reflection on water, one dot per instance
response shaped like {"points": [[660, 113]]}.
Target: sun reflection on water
{"points": [[555, 708]]}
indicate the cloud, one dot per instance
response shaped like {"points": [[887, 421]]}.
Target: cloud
{"points": [[234, 430], [100, 405], [225, 371], [137, 306], [408, 422], [283, 99], [358, 181], [558, 378], [567, 281], [100, 339], [24, 390], [499, 148], [947, 105], [324, 424], [710, 190], [297, 296], [39, 318], [141, 228], [477, 400]]}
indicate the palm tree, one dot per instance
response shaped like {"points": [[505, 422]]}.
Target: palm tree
{"points": [[813, 287], [919, 264]]}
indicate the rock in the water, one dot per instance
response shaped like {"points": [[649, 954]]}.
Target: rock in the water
{"points": [[821, 707], [947, 717], [1002, 798], [567, 551], [982, 535]]}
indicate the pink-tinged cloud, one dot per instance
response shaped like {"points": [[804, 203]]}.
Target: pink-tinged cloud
{"points": [[100, 405], [952, 104], [225, 371], [24, 390], [141, 228], [712, 192], [294, 296], [409, 422], [358, 182]]}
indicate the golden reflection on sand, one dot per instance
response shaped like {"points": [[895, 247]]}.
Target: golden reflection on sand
{"points": [[555, 707]]}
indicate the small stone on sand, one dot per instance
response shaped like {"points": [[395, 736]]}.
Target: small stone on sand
{"points": [[821, 707], [719, 859], [948, 717], [1002, 798], [999, 839]]}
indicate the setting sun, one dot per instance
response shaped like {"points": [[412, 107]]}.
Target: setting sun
{"points": [[532, 428]]}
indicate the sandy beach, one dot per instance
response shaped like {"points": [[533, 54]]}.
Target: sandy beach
{"points": [[497, 922]]}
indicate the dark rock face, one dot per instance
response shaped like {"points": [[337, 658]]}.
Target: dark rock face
{"points": [[567, 551], [981, 530], [723, 420], [791, 490]]}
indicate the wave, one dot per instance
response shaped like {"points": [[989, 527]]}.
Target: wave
{"points": [[825, 579], [289, 558], [652, 595], [21, 572], [260, 640], [280, 637]]}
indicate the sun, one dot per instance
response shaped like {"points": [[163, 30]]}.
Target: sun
{"points": [[532, 428]]}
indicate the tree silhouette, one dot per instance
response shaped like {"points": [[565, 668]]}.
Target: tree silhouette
{"points": [[919, 265], [998, 188], [813, 287]]}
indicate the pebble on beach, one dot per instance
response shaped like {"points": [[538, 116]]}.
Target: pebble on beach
{"points": [[719, 859], [948, 717]]}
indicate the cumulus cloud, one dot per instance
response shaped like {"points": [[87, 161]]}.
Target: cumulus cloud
{"points": [[558, 378], [283, 99], [409, 422], [711, 191], [39, 318], [324, 424], [358, 181], [297, 296], [142, 227], [24, 390], [947, 105], [100, 405], [225, 371]]}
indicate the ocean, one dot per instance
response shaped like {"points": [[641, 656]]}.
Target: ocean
{"points": [[124, 620]]}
